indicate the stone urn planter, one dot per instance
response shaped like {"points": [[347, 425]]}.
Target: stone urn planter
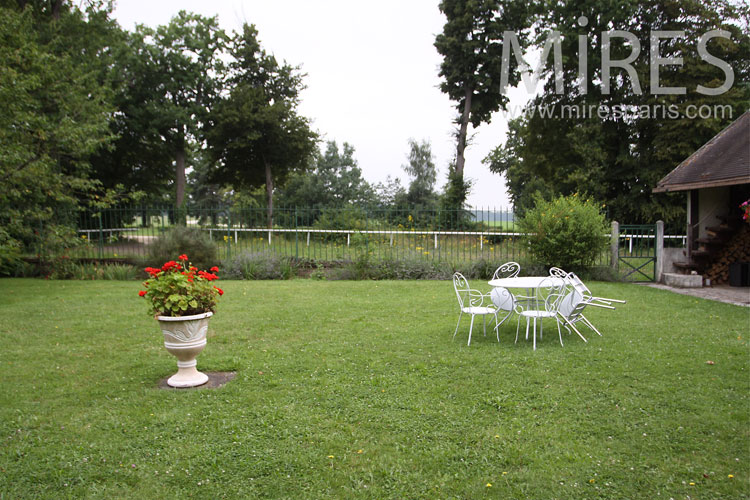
{"points": [[185, 338]]}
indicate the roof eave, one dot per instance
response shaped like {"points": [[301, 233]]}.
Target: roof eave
{"points": [[668, 188]]}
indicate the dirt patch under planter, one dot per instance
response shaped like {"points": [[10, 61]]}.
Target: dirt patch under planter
{"points": [[215, 380]]}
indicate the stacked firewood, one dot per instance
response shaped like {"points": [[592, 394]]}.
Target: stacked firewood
{"points": [[736, 250]]}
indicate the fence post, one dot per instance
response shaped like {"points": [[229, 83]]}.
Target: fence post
{"points": [[229, 233], [296, 235], [101, 236], [659, 265], [615, 244]]}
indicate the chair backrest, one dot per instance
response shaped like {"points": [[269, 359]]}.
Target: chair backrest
{"points": [[572, 302], [507, 270], [461, 286], [549, 293], [556, 272], [503, 299], [578, 285]]}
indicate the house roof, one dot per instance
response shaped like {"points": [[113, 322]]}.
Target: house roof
{"points": [[722, 161]]}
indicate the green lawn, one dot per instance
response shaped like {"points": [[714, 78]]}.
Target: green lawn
{"points": [[356, 390]]}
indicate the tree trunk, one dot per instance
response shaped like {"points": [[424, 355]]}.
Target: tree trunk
{"points": [[269, 194], [462, 134], [180, 177], [56, 5]]}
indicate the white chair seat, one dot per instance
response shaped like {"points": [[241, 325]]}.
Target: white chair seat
{"points": [[479, 310], [539, 314]]}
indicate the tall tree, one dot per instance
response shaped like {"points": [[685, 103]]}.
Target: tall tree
{"points": [[335, 181], [472, 46], [421, 169], [257, 136], [177, 73]]}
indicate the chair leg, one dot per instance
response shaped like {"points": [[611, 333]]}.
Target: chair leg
{"points": [[510, 313], [575, 329], [527, 327], [559, 333], [588, 323], [471, 327], [484, 324], [541, 328], [518, 325], [534, 333], [497, 325], [459, 322]]}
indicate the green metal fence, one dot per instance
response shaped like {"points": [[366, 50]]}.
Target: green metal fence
{"points": [[455, 236], [308, 233]]}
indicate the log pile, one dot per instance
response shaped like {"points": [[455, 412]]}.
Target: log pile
{"points": [[736, 250]]}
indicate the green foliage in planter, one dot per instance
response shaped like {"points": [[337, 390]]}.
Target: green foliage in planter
{"points": [[183, 240], [567, 232], [180, 289]]}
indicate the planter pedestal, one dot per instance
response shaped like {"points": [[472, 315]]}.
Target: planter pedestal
{"points": [[185, 338]]}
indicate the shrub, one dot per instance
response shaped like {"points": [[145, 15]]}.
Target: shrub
{"points": [[568, 232], [182, 240], [363, 267], [259, 266], [62, 268], [119, 272], [10, 254]]}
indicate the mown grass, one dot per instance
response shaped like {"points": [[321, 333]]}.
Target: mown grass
{"points": [[356, 390]]}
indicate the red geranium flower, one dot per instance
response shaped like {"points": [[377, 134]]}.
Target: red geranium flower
{"points": [[181, 279], [207, 276], [214, 269], [152, 271], [142, 293], [170, 265]]}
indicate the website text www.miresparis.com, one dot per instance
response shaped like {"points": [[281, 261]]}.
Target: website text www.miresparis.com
{"points": [[621, 111]]}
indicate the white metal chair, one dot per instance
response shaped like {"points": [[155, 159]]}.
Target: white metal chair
{"points": [[472, 302], [556, 272], [543, 305], [584, 290], [576, 298]]}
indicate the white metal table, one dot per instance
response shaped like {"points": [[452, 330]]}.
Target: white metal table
{"points": [[530, 283]]}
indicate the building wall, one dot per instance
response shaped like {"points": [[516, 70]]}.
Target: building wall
{"points": [[711, 203]]}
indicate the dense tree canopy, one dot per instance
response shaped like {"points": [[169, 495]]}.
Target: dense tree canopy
{"points": [[616, 143], [55, 115], [334, 181]]}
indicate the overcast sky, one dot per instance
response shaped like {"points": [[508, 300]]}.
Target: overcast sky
{"points": [[372, 76]]}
